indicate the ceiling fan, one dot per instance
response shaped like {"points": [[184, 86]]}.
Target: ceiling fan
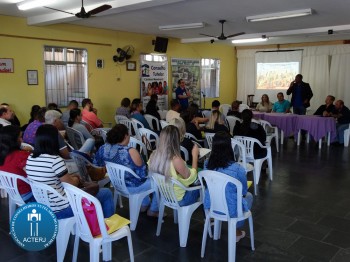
{"points": [[83, 13], [222, 36]]}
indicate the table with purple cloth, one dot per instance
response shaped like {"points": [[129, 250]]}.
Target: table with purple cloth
{"points": [[258, 115], [317, 126]]}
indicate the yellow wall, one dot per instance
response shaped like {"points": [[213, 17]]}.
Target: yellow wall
{"points": [[104, 88]]}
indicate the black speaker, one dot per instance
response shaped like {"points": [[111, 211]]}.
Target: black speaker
{"points": [[161, 44]]}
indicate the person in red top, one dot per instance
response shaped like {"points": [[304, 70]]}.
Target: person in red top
{"points": [[13, 159], [89, 114]]}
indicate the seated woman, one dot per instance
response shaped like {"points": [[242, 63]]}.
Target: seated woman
{"points": [[13, 160], [46, 166], [116, 150], [216, 123], [29, 133], [152, 108], [222, 160], [254, 130], [265, 105], [33, 113], [136, 109], [234, 111], [184, 141], [167, 161], [192, 125], [74, 122]]}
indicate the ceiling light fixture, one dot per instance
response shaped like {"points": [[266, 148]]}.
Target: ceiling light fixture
{"points": [[181, 26], [280, 15], [250, 40], [30, 4]]}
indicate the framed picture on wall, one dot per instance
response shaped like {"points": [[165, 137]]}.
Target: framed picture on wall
{"points": [[130, 65], [32, 77]]}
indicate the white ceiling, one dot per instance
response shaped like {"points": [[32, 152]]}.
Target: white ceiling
{"points": [[144, 16]]}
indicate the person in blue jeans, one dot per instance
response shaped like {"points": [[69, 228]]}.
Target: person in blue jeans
{"points": [[45, 165], [117, 150], [222, 160]]}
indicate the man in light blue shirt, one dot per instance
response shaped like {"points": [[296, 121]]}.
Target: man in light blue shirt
{"points": [[282, 105]]}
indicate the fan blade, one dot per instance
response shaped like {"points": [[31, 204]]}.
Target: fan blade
{"points": [[241, 33], [209, 35], [58, 10], [99, 9]]}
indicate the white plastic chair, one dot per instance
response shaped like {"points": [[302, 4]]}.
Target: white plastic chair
{"points": [[346, 136], [101, 132], [194, 139], [141, 147], [128, 123], [136, 124], [216, 183], [117, 175], [257, 163], [270, 135], [163, 123], [75, 137], [242, 107], [87, 125], [162, 113], [241, 158], [117, 118], [224, 108], [75, 196], [8, 182], [26, 145], [151, 136], [209, 139], [185, 152], [232, 120], [168, 198], [150, 120], [44, 194]]}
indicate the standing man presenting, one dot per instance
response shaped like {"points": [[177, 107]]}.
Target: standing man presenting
{"points": [[301, 95], [182, 94]]}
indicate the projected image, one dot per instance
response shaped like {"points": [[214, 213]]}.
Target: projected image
{"points": [[276, 75]]}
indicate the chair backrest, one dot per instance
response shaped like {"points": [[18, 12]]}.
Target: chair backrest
{"points": [[216, 183], [209, 138], [45, 194], [224, 108], [101, 132], [239, 151], [166, 189], [81, 162], [242, 107], [138, 145], [151, 136], [162, 113], [117, 118], [117, 174], [87, 125], [151, 120], [136, 124], [192, 137], [249, 145], [163, 123], [75, 137], [75, 197], [8, 182], [266, 125], [185, 152], [26, 145], [232, 120], [128, 123]]}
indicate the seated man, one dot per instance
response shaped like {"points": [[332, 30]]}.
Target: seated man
{"points": [[328, 108], [282, 105], [124, 109], [342, 114], [152, 107], [6, 115], [174, 112], [73, 104], [89, 114], [215, 105]]}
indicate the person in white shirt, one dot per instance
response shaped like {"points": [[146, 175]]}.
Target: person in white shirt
{"points": [[174, 111], [6, 114]]}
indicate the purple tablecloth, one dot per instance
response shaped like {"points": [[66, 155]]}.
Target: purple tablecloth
{"points": [[258, 115], [317, 126], [285, 122]]}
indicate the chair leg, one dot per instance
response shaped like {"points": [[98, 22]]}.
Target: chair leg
{"points": [[131, 251], [269, 162], [65, 226], [12, 208], [251, 230], [160, 217], [255, 183], [107, 251], [205, 233], [135, 202], [231, 240], [184, 216], [76, 247], [95, 251], [217, 229]]}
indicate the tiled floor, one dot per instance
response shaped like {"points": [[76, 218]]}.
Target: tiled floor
{"points": [[303, 215]]}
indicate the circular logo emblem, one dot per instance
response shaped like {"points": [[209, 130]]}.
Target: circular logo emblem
{"points": [[34, 227]]}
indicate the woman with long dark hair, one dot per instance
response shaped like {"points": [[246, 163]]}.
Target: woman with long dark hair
{"points": [[45, 165], [13, 159], [222, 160]]}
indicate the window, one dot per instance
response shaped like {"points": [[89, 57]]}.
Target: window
{"points": [[65, 74], [210, 77]]}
